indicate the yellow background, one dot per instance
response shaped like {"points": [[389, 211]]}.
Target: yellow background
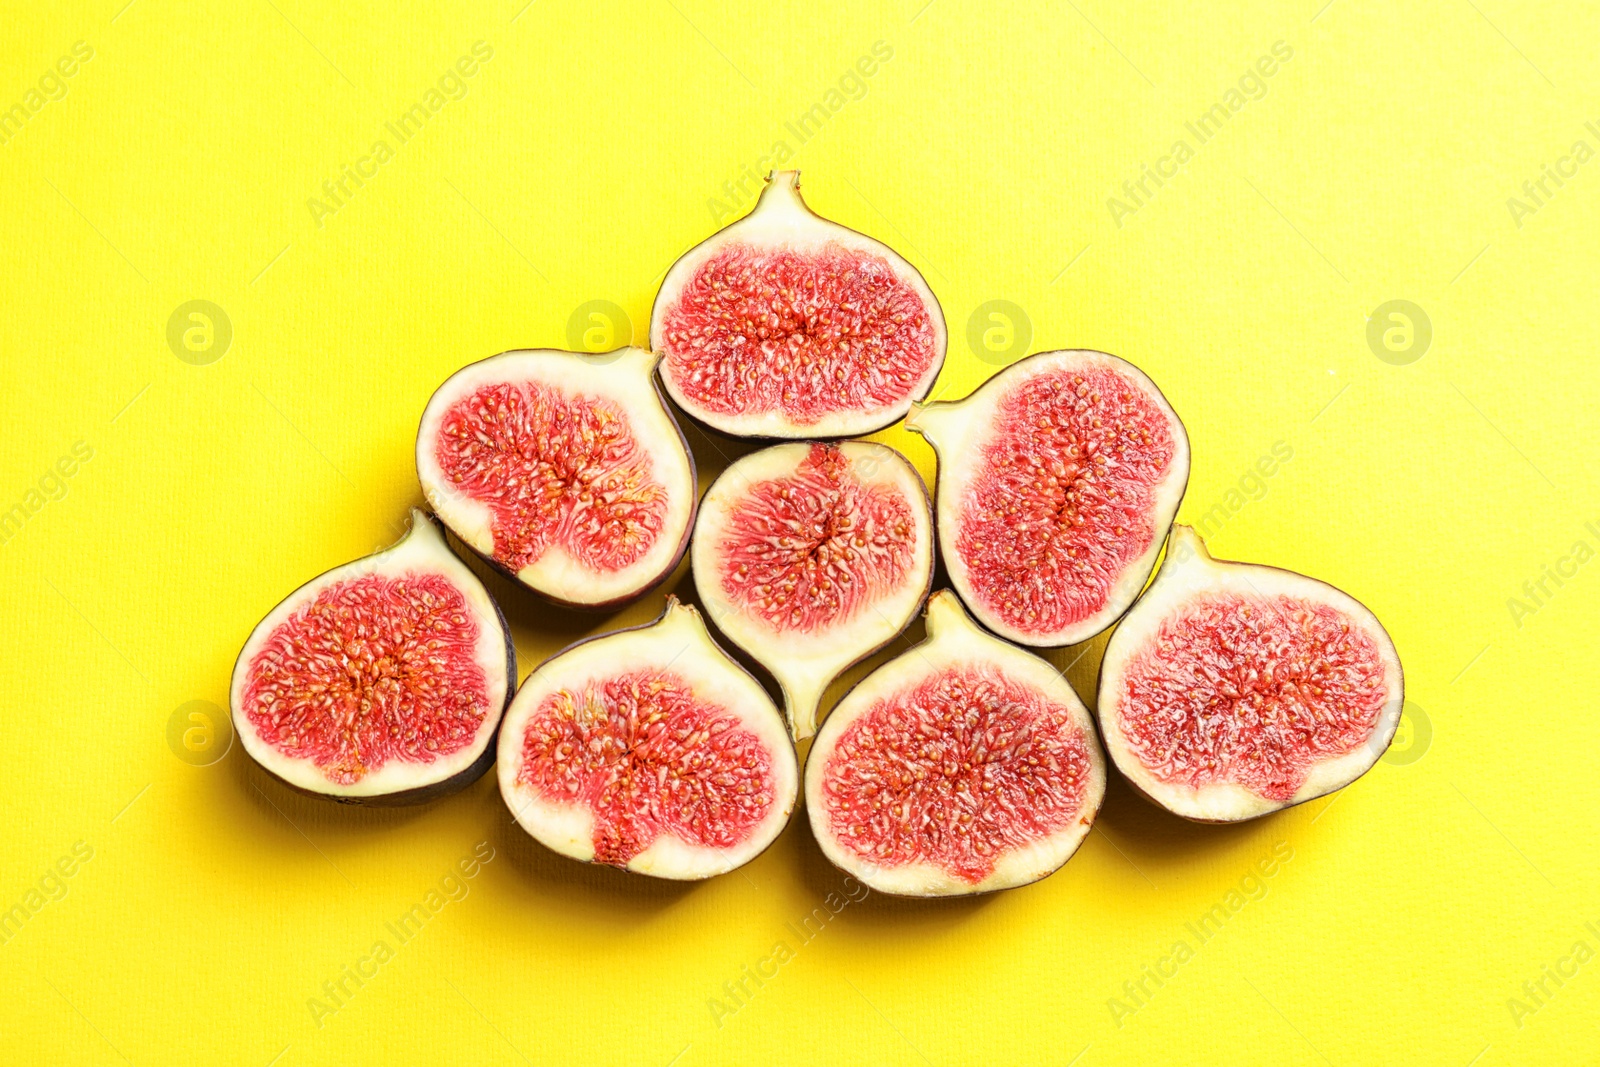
{"points": [[576, 167]]}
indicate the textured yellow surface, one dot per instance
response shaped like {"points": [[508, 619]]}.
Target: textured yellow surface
{"points": [[1421, 913]]}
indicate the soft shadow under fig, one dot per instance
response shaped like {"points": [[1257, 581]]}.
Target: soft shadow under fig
{"points": [[1154, 839], [276, 802], [713, 452], [908, 915], [525, 612], [619, 897]]}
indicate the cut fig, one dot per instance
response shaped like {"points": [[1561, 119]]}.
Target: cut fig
{"points": [[651, 750], [811, 557], [1232, 689], [965, 765], [564, 470], [786, 325], [382, 681], [1058, 479]]}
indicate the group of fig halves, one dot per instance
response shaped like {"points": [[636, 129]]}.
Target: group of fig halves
{"points": [[964, 765]]}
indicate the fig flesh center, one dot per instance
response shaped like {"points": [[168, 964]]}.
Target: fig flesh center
{"points": [[811, 550], [553, 468], [345, 680], [805, 333], [1251, 691], [1063, 503], [647, 757], [956, 771]]}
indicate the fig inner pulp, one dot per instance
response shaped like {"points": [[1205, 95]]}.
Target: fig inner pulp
{"points": [[553, 469], [647, 757], [1253, 691], [1063, 504], [808, 551], [373, 669], [805, 333], [956, 771]]}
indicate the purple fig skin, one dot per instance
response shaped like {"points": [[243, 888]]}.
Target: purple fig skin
{"points": [[614, 603], [425, 793], [1400, 696]]}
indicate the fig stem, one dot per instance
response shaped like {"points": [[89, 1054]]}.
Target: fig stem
{"points": [[802, 705], [781, 193], [1185, 545], [944, 615], [929, 418]]}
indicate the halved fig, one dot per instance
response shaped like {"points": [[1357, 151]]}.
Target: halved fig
{"points": [[651, 750], [564, 470], [811, 557], [382, 681], [1232, 689], [786, 325], [965, 765], [1058, 479]]}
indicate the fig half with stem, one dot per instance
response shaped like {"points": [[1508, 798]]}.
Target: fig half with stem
{"points": [[565, 470], [786, 325], [963, 766], [811, 557], [1233, 689], [382, 681], [1058, 479], [650, 750]]}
